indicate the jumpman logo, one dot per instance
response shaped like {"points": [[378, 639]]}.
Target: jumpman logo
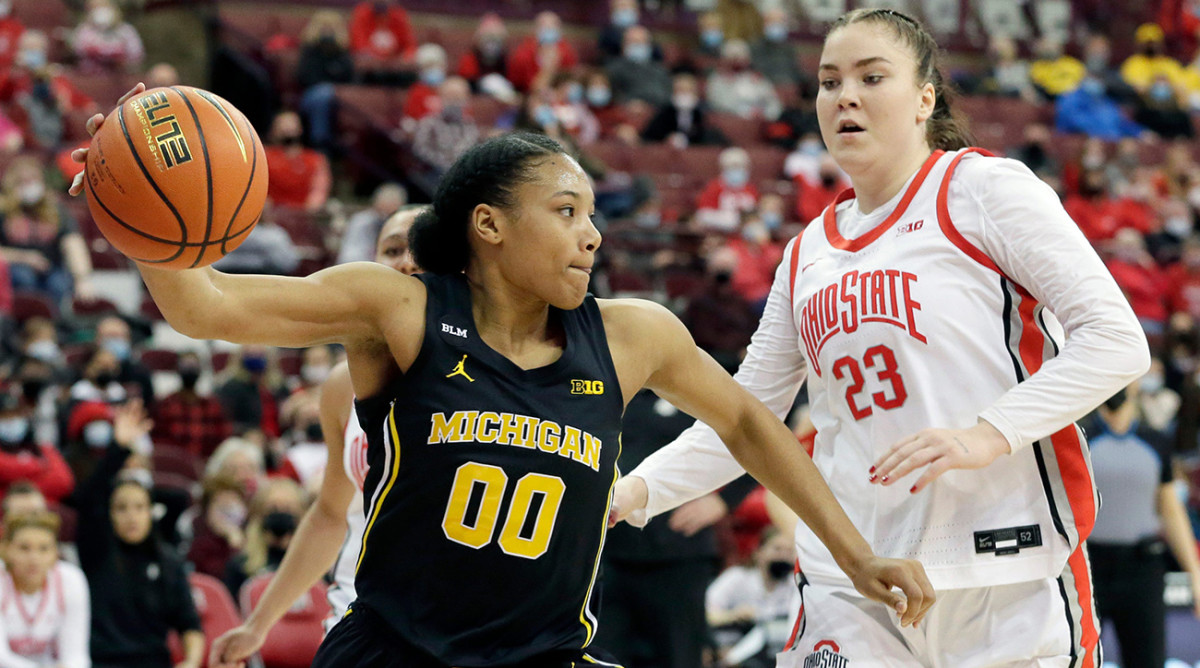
{"points": [[460, 371]]}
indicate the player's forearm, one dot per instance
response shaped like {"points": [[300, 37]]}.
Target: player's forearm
{"points": [[1177, 529], [188, 299], [310, 555]]}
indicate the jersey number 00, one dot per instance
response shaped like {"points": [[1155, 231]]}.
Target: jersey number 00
{"points": [[487, 484]]}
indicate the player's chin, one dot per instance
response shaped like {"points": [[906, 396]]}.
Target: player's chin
{"points": [[571, 296]]}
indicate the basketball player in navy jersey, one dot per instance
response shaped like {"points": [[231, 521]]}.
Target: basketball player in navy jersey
{"points": [[491, 390]]}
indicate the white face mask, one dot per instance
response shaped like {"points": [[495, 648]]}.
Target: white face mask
{"points": [[1151, 383], [5, 8], [13, 429], [104, 16], [31, 193], [314, 374]]}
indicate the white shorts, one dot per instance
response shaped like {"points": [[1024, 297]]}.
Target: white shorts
{"points": [[1040, 623]]}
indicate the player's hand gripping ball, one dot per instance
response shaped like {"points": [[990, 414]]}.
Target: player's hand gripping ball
{"points": [[175, 177]]}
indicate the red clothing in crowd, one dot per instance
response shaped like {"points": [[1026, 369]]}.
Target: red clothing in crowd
{"points": [[1101, 217], [813, 197], [1184, 292], [718, 195], [471, 69], [755, 269], [209, 551], [387, 36], [14, 82], [195, 423], [6, 289], [1145, 286], [1180, 26], [291, 179], [523, 65], [43, 466], [422, 100], [10, 32]]}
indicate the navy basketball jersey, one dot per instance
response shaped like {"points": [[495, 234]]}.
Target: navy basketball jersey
{"points": [[489, 487]]}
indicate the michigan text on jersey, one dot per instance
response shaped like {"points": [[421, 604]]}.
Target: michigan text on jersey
{"points": [[522, 431]]}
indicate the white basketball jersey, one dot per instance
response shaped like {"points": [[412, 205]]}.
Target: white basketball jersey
{"points": [[911, 326], [33, 623], [354, 461]]}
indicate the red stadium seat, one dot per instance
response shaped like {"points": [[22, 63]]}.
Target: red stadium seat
{"points": [[176, 460], [92, 307], [217, 611], [160, 360], [293, 641], [28, 305]]}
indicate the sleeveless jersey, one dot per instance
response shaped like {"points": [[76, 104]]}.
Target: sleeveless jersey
{"points": [[33, 623], [910, 326], [354, 462], [489, 488]]}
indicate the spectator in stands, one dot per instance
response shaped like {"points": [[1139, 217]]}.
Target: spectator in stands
{"points": [[489, 51], [720, 319], [1184, 276], [275, 513], [1036, 153], [193, 421], [683, 121], [725, 198], [104, 42], [54, 591], [381, 36], [10, 32], [545, 53], [614, 119], [1160, 110], [113, 334], [1158, 403], [1009, 74], [324, 61], [740, 19], [422, 99], [316, 362], [217, 529], [358, 241], [1097, 213], [22, 456], [12, 139], [1143, 282], [1097, 58], [444, 135], [734, 88], [1150, 62], [268, 249], [773, 55], [814, 192], [240, 460], [39, 238], [1180, 21], [622, 15], [634, 76], [567, 100], [100, 379], [1054, 72], [21, 497], [298, 176], [711, 35], [1087, 110], [758, 256], [248, 394], [42, 382], [761, 595], [138, 585]]}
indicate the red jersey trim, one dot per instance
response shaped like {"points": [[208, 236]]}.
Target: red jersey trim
{"points": [[947, 225], [854, 245], [794, 265]]}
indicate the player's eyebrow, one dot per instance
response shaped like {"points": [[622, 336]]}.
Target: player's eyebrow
{"points": [[569, 193], [860, 64]]}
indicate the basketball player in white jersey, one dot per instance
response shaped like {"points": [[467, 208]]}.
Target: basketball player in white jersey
{"points": [[924, 310], [337, 517], [44, 608]]}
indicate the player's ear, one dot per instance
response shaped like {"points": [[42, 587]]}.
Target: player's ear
{"points": [[487, 223]]}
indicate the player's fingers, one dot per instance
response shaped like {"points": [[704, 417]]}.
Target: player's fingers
{"points": [[76, 185], [937, 468], [138, 88], [93, 123], [914, 461], [884, 469]]}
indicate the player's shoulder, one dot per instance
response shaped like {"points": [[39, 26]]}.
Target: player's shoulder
{"points": [[979, 170], [633, 315]]}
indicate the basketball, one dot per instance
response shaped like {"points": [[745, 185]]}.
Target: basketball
{"points": [[176, 178]]}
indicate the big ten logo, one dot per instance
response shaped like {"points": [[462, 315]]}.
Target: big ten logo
{"points": [[165, 130], [587, 387]]}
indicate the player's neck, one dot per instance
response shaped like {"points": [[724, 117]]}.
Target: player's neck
{"points": [[511, 323], [879, 183]]}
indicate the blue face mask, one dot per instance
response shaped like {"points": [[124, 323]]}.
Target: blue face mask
{"points": [[118, 347], [772, 220], [1093, 87], [254, 364], [712, 38], [736, 177], [776, 32], [623, 18], [575, 93], [433, 77], [31, 59], [599, 96], [14, 429], [1161, 92], [638, 53], [544, 116], [548, 36]]}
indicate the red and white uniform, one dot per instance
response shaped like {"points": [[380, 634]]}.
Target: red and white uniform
{"points": [[47, 628], [938, 309], [354, 462]]}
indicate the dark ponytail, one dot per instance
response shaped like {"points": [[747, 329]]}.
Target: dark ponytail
{"points": [[944, 129], [486, 174]]}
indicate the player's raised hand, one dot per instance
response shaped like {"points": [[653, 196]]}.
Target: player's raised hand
{"points": [[878, 578], [235, 646], [629, 494], [939, 450], [93, 124]]}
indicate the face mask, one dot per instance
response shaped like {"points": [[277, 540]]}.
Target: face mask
{"points": [[233, 513], [45, 350], [254, 364], [575, 93], [638, 53], [736, 177], [143, 477], [685, 101], [723, 277], [599, 96], [290, 140], [811, 147], [1097, 63], [491, 47], [314, 374], [275, 554], [548, 36], [118, 347], [1093, 87], [312, 432], [32, 388], [31, 59], [754, 233], [779, 570], [5, 9], [105, 378], [1151, 383], [98, 434], [188, 378], [31, 193], [13, 429], [279, 524], [544, 116], [104, 16], [433, 77], [623, 18], [1115, 401], [776, 32], [712, 38], [1161, 92], [772, 220], [829, 180], [1178, 226], [647, 219], [451, 112]]}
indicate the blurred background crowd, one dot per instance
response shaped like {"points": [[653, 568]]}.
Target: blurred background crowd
{"points": [[695, 120]]}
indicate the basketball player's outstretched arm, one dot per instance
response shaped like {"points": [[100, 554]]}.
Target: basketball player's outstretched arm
{"points": [[318, 538], [670, 364]]}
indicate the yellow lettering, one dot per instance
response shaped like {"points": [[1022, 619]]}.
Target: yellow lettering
{"points": [[486, 432], [527, 432], [447, 431], [591, 451], [570, 444], [548, 434]]}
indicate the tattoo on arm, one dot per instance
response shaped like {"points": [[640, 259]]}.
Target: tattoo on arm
{"points": [[962, 445]]}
